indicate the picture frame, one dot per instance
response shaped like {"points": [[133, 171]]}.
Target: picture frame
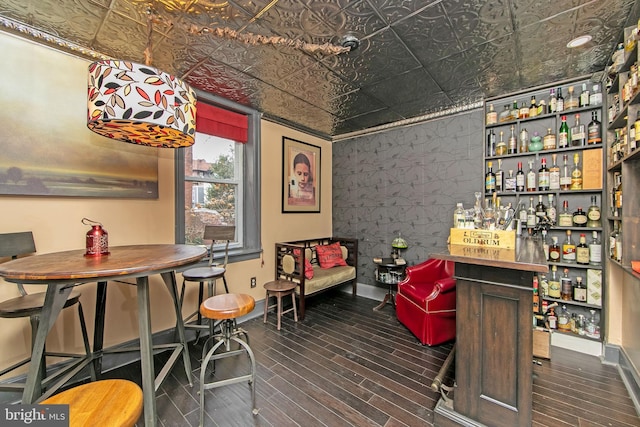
{"points": [[301, 167]]}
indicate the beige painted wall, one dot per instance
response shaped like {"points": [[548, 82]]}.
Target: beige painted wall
{"points": [[56, 226]]}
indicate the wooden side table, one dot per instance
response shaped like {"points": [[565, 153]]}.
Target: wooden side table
{"points": [[388, 274]]}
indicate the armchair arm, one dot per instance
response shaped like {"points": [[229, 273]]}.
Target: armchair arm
{"points": [[441, 287]]}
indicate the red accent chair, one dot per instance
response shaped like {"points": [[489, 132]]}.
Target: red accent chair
{"points": [[426, 301]]}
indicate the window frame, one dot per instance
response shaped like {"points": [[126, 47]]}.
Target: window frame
{"points": [[250, 228]]}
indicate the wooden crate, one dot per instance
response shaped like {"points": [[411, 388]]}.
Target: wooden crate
{"points": [[541, 344], [485, 238]]}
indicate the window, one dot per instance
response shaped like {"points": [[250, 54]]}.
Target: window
{"points": [[218, 182]]}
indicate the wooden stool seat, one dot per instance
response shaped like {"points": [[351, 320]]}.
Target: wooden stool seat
{"points": [[107, 403], [227, 306], [280, 288]]}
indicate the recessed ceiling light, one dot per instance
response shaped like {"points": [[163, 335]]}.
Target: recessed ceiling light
{"points": [[579, 41]]}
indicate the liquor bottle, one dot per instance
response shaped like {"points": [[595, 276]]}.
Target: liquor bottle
{"points": [[594, 130], [531, 178], [512, 146], [543, 176], [532, 219], [579, 218], [563, 134], [505, 114], [536, 297], [559, 101], [613, 238], [576, 174], [499, 177], [523, 141], [565, 219], [549, 140], [541, 210], [595, 97], [552, 319], [533, 108], [520, 180], [636, 125], [552, 101], [595, 250], [565, 178], [522, 217], [501, 146], [564, 318], [545, 244], [458, 216], [584, 96], [554, 174], [492, 116], [582, 251], [491, 143], [542, 107], [592, 328], [577, 133], [554, 283], [552, 215], [510, 182], [566, 286], [571, 101], [515, 111], [543, 289], [523, 113], [579, 291], [568, 249], [593, 214], [554, 254], [489, 180]]}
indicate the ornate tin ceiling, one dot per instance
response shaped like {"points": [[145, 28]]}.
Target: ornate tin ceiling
{"points": [[415, 57]]}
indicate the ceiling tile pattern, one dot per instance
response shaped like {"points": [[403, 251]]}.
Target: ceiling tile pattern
{"points": [[415, 57]]}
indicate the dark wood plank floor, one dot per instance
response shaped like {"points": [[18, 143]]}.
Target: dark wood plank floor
{"points": [[347, 365]]}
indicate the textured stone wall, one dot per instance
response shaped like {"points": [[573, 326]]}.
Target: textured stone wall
{"points": [[407, 181]]}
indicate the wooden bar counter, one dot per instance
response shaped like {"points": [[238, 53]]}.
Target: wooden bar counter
{"points": [[494, 339]]}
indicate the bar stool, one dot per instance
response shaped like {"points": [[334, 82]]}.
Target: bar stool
{"points": [[107, 403], [226, 308], [210, 274], [278, 289]]}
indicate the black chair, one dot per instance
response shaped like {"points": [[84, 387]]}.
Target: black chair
{"points": [[210, 274], [30, 305]]}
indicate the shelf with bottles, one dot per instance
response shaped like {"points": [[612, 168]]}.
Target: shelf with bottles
{"points": [[555, 115]]}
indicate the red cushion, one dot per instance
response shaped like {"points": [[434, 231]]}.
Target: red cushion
{"points": [[308, 268], [330, 255]]}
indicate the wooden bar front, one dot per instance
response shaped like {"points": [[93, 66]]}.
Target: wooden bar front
{"points": [[494, 341]]}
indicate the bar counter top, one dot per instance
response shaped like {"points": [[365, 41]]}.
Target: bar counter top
{"points": [[527, 256]]}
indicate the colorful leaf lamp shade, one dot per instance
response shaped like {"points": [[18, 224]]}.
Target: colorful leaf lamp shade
{"points": [[140, 104]]}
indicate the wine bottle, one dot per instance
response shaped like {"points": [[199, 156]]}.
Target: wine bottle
{"points": [[552, 101], [543, 176], [563, 134], [559, 101], [520, 179], [531, 177]]}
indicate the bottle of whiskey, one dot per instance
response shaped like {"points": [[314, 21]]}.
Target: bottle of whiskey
{"points": [[501, 146], [554, 283], [565, 178], [579, 218], [559, 101], [593, 214], [554, 254], [576, 174], [595, 250], [492, 116], [579, 291], [523, 113], [499, 177], [543, 176], [554, 174], [571, 101], [512, 146], [563, 134], [489, 180], [520, 179], [594, 130], [582, 251], [568, 249], [566, 286], [577, 133], [531, 178], [565, 219], [549, 140]]}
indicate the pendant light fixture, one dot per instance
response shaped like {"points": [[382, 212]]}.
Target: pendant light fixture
{"points": [[140, 104]]}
